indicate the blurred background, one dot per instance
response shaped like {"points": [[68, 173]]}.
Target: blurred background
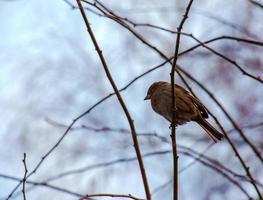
{"points": [[51, 74]]}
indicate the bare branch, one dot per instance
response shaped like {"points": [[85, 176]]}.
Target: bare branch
{"points": [[258, 78], [44, 184], [24, 178], [256, 3], [173, 108], [128, 196], [130, 120]]}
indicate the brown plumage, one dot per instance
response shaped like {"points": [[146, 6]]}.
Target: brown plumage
{"points": [[188, 108]]}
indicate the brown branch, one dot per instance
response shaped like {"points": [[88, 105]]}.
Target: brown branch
{"points": [[127, 131], [173, 108], [24, 178], [132, 127], [128, 196]]}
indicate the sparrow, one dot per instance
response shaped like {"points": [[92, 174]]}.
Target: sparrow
{"points": [[187, 107]]}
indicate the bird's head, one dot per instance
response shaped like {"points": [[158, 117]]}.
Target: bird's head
{"points": [[153, 88]]}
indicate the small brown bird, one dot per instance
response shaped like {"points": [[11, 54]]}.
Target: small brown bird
{"points": [[188, 108]]}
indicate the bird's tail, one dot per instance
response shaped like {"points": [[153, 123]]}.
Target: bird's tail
{"points": [[210, 130]]}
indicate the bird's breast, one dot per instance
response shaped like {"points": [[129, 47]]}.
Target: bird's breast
{"points": [[162, 104]]}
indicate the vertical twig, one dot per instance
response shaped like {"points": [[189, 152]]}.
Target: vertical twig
{"points": [[173, 131], [24, 178], [132, 127]]}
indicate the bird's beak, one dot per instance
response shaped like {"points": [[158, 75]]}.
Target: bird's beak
{"points": [[147, 97]]}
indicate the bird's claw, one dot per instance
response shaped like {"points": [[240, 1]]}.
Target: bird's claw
{"points": [[172, 126], [174, 109]]}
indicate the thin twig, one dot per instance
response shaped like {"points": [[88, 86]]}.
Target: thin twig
{"points": [[173, 108], [102, 129], [24, 178], [130, 120], [43, 184], [73, 7], [258, 78], [195, 155], [256, 3], [162, 186], [127, 196]]}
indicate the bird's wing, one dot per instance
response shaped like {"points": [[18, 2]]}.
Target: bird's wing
{"points": [[200, 107], [195, 100]]}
